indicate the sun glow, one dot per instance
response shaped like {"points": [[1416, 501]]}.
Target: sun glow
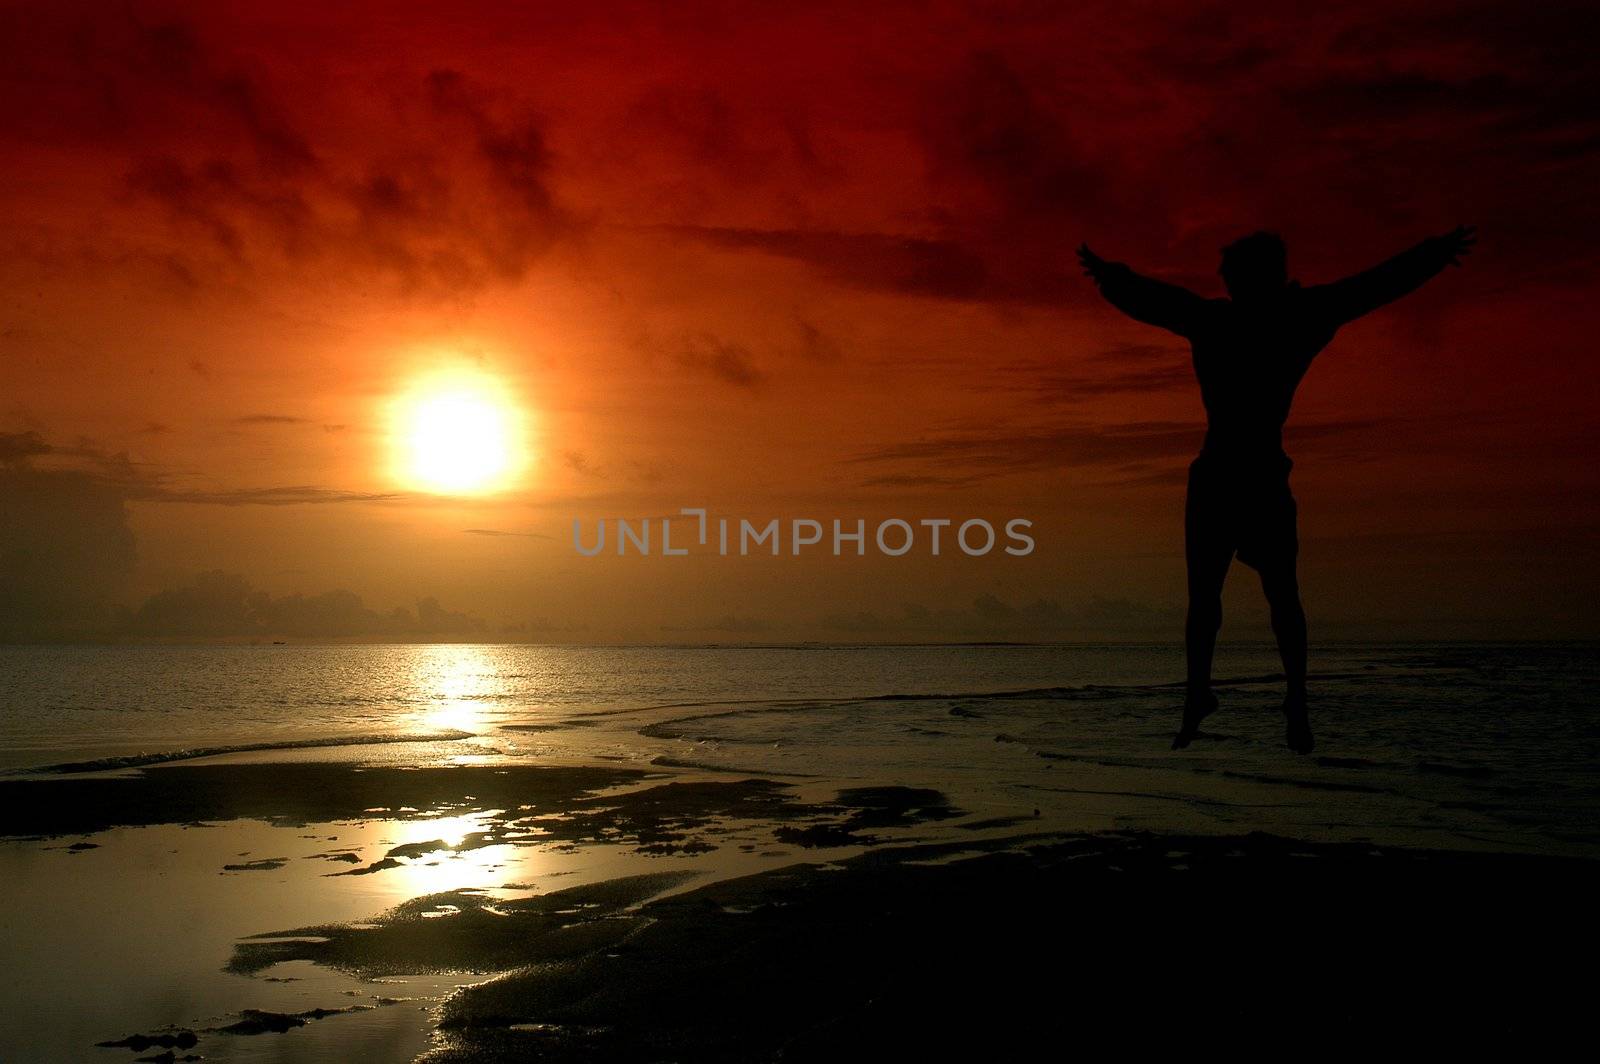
{"points": [[458, 434]]}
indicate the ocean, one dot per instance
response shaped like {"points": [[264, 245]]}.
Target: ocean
{"points": [[190, 830], [1424, 744]]}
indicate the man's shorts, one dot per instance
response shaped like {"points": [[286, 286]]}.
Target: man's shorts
{"points": [[1241, 507]]}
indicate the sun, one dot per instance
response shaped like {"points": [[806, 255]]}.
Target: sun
{"points": [[458, 433]]}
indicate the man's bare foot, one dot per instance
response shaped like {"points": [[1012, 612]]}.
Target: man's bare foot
{"points": [[1298, 733], [1197, 706]]}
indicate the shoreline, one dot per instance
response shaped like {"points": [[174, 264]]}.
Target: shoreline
{"points": [[623, 912], [722, 919], [630, 858], [319, 782]]}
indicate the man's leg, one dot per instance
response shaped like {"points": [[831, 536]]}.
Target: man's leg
{"points": [[1282, 588], [1208, 568]]}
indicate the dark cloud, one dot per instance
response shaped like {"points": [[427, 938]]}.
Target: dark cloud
{"points": [[254, 174], [137, 481], [816, 345], [578, 462], [1167, 132], [643, 472], [990, 123], [721, 359], [1136, 368], [1168, 129], [631, 470], [990, 454], [1211, 46], [1176, 374], [295, 495], [499, 533], [959, 458], [271, 419], [544, 626], [17, 447], [66, 550], [219, 604], [117, 77], [920, 480], [286, 420], [699, 352], [904, 264], [727, 624], [113, 470], [724, 132]]}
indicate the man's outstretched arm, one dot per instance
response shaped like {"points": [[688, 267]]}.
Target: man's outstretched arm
{"points": [[1354, 296], [1167, 306]]}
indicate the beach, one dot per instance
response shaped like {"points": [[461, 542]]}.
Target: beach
{"points": [[753, 533], [921, 867]]}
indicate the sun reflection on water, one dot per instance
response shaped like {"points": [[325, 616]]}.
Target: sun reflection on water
{"points": [[458, 685], [451, 830], [447, 868], [446, 871]]}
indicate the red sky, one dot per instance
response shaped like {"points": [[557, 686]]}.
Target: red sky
{"points": [[784, 261]]}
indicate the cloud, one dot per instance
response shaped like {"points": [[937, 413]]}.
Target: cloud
{"points": [[727, 624], [544, 626], [254, 173], [1123, 368], [985, 157], [729, 361], [67, 552], [219, 604], [499, 533], [140, 482], [920, 480], [271, 419], [958, 458], [286, 420], [726, 133], [908, 265], [66, 549], [578, 462], [816, 345], [720, 359], [296, 495], [1057, 447], [630, 470], [990, 124], [17, 447]]}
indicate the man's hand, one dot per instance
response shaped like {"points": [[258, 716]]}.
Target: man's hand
{"points": [[1166, 306], [1454, 245], [1093, 265]]}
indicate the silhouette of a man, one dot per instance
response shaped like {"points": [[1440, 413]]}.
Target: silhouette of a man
{"points": [[1250, 352]]}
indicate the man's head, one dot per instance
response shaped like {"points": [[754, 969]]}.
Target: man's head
{"points": [[1254, 266]]}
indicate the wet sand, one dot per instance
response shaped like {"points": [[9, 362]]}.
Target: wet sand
{"points": [[1031, 950], [625, 912]]}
